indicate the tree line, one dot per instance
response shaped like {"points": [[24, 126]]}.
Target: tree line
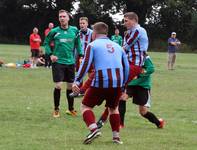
{"points": [[159, 17]]}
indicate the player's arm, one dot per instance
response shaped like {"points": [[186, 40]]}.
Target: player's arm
{"points": [[131, 40], [170, 42], [125, 63], [120, 41], [112, 37], [78, 45], [47, 42], [148, 67], [37, 39], [85, 65], [178, 42]]}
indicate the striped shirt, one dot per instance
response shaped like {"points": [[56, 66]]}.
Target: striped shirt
{"points": [[135, 44], [86, 38], [110, 64]]}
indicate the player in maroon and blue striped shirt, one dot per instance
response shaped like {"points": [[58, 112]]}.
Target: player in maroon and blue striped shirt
{"points": [[111, 73], [135, 43], [85, 36]]}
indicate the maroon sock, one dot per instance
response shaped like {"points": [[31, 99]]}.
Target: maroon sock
{"points": [[105, 115], [89, 119], [115, 122]]}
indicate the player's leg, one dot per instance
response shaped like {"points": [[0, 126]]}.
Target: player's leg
{"points": [[122, 108], [36, 58], [33, 58], [112, 101], [90, 99], [143, 109], [57, 73], [151, 116], [69, 75], [70, 101], [173, 60], [56, 98], [100, 123], [171, 55], [114, 119], [169, 61], [47, 58]]}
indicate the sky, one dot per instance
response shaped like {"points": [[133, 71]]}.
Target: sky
{"points": [[115, 17]]}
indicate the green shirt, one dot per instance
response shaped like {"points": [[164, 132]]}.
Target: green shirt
{"points": [[65, 42], [117, 39], [144, 79]]}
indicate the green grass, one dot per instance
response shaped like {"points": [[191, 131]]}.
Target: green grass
{"points": [[26, 106]]}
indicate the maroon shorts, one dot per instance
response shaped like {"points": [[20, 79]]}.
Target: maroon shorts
{"points": [[95, 96], [134, 71]]}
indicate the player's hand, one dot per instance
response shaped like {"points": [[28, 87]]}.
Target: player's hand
{"points": [[54, 58], [75, 88], [124, 96], [80, 60]]}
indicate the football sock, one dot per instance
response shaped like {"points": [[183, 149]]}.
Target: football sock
{"points": [[122, 110], [56, 96], [152, 118], [89, 119], [70, 100], [104, 115], [114, 122]]}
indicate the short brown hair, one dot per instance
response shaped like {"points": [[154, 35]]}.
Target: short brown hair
{"points": [[62, 11], [83, 18], [131, 16], [100, 28]]}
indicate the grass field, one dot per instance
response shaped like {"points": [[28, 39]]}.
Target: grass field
{"points": [[26, 106]]}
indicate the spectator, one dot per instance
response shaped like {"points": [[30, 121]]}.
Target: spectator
{"points": [[173, 44], [34, 41]]}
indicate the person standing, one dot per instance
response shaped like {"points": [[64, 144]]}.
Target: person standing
{"points": [[140, 90], [34, 41], [173, 44], [85, 36], [47, 57], [135, 43], [117, 38], [111, 73], [66, 40]]}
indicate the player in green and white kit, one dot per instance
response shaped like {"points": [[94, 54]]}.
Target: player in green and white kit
{"points": [[117, 38], [139, 89], [66, 40]]}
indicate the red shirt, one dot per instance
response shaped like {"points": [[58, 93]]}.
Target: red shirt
{"points": [[46, 32], [34, 44]]}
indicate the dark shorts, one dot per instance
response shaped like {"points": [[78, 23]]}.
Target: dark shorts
{"points": [[95, 96], [140, 95], [35, 53], [63, 73]]}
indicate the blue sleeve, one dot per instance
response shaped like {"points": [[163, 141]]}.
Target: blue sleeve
{"points": [[125, 67], [170, 40]]}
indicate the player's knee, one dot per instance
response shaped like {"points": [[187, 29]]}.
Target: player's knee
{"points": [[84, 108], [113, 111], [58, 86]]}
